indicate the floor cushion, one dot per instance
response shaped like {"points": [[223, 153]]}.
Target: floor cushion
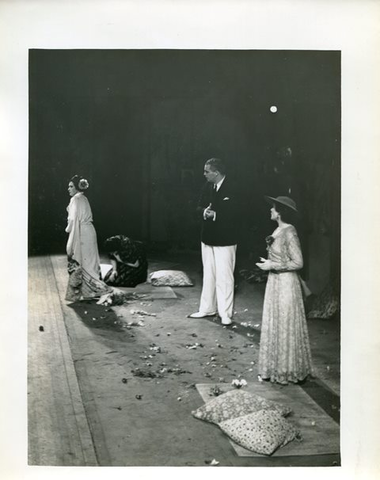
{"points": [[170, 278], [262, 432], [236, 403]]}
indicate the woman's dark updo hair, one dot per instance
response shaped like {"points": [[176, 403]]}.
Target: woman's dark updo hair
{"points": [[114, 244], [288, 215], [80, 183]]}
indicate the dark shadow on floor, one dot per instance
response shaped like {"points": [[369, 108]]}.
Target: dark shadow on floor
{"points": [[97, 316]]}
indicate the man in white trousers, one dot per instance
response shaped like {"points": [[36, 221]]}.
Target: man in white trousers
{"points": [[218, 206]]}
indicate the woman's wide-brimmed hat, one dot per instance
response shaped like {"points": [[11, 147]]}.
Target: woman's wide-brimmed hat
{"points": [[287, 201]]}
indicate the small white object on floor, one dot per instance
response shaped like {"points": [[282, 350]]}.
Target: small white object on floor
{"points": [[105, 299]]}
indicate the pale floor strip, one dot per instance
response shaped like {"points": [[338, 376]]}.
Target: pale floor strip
{"points": [[58, 431]]}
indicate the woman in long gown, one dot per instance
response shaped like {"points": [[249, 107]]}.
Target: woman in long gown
{"points": [[82, 248], [284, 344]]}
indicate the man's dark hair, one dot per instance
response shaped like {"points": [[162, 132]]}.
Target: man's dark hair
{"points": [[217, 164]]}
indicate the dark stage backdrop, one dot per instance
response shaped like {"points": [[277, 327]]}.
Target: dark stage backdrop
{"points": [[139, 124]]}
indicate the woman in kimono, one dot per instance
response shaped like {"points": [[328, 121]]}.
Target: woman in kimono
{"points": [[82, 247], [284, 344]]}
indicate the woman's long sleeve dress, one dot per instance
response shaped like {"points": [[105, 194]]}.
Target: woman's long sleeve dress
{"points": [[284, 344], [82, 247]]}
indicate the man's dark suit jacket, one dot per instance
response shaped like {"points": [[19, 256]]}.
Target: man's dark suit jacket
{"points": [[224, 230]]}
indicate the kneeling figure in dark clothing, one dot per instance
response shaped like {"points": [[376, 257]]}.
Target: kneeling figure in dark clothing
{"points": [[129, 262]]}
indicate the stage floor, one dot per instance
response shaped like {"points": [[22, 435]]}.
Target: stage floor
{"points": [[114, 386]]}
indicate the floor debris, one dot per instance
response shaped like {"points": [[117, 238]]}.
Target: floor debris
{"points": [[143, 312], [139, 323], [237, 383], [194, 346], [143, 373], [216, 391]]}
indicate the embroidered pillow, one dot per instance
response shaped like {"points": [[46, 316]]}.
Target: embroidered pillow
{"points": [[170, 278], [261, 432], [236, 403]]}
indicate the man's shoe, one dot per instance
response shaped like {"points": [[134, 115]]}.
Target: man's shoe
{"points": [[226, 321], [201, 315]]}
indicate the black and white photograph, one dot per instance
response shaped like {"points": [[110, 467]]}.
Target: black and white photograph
{"points": [[177, 301], [194, 254]]}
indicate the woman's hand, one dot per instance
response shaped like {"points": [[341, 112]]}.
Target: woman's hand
{"points": [[264, 264], [134, 265]]}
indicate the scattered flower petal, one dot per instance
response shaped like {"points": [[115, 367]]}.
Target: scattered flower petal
{"points": [[239, 383]]}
